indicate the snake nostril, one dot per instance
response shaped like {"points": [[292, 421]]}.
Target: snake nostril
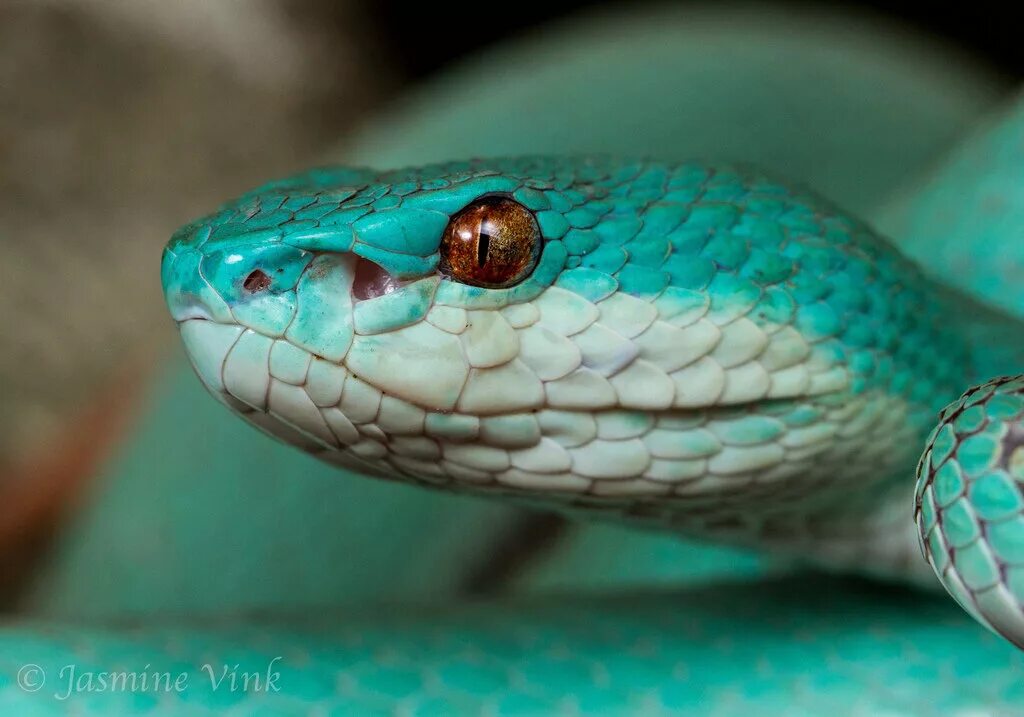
{"points": [[372, 280], [256, 281]]}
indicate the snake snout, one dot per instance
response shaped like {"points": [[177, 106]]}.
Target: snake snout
{"points": [[188, 294]]}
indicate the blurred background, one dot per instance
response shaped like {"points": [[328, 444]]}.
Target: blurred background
{"points": [[121, 119]]}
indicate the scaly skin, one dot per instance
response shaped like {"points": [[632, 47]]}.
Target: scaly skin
{"points": [[764, 649], [969, 504], [699, 349]]}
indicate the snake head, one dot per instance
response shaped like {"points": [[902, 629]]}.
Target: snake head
{"points": [[352, 313]]}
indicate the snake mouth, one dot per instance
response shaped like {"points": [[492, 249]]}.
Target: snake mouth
{"points": [[191, 311], [371, 280], [192, 315]]}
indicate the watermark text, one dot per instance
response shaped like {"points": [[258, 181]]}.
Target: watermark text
{"points": [[66, 681]]}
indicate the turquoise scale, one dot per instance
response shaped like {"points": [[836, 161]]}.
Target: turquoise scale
{"points": [[970, 503]]}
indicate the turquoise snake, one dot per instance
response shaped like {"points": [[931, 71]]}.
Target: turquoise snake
{"points": [[697, 348]]}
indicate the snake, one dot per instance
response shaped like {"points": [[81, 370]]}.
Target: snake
{"points": [[691, 348], [695, 348]]}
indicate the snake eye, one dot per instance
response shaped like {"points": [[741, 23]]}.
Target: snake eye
{"points": [[494, 242]]}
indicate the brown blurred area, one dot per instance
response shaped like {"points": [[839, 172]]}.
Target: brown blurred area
{"points": [[118, 122]]}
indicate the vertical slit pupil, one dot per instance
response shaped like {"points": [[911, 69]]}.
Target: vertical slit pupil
{"points": [[483, 244]]}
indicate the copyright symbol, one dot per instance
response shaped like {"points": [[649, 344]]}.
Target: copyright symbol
{"points": [[31, 678]]}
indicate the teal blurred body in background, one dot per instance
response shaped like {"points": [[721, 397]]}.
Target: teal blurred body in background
{"points": [[198, 523]]}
